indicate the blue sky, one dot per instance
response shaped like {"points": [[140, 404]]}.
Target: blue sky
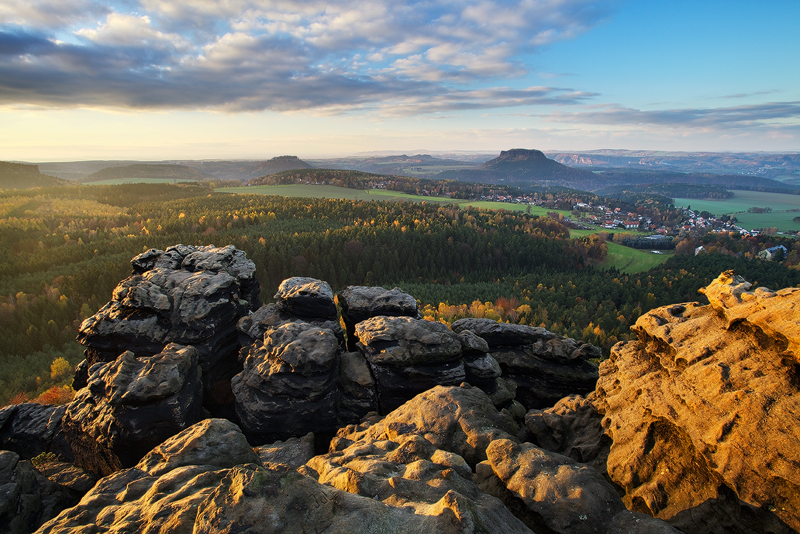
{"points": [[154, 79]]}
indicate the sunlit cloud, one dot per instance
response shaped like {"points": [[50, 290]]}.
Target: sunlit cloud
{"points": [[283, 55]]}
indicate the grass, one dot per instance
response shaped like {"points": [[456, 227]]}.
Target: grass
{"points": [[632, 260], [742, 200], [134, 180], [329, 191]]}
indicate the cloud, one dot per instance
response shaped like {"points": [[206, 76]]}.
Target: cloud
{"points": [[704, 118], [234, 55]]}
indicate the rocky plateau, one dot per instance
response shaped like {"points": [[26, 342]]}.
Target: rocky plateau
{"points": [[199, 410]]}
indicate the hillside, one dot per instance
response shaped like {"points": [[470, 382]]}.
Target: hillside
{"points": [[148, 170], [521, 167], [249, 170], [22, 176]]}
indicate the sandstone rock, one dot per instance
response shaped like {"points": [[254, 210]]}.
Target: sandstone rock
{"points": [[558, 494], [461, 420], [546, 367], [703, 412], [293, 452], [68, 476], [132, 404], [187, 295], [275, 498], [411, 473], [252, 327], [30, 429], [216, 443], [358, 395], [306, 297], [27, 499], [572, 427], [289, 383], [408, 356], [360, 303]]}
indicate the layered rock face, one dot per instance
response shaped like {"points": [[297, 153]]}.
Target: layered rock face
{"points": [[359, 303], [188, 295], [543, 366], [289, 384], [132, 404], [704, 411]]}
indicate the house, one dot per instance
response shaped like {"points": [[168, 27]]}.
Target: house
{"points": [[773, 253]]}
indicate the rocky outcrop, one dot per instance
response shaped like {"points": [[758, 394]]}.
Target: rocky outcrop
{"points": [[572, 427], [359, 303], [703, 411], [188, 295], [253, 327], [132, 404], [30, 429], [408, 356], [306, 297], [544, 367], [27, 499], [289, 383]]}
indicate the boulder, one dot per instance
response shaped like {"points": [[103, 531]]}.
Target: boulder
{"points": [[187, 295], [306, 297], [544, 366], [27, 499], [30, 429], [252, 327], [131, 405], [412, 474], [408, 356], [359, 303], [461, 420], [288, 386], [572, 427], [703, 411], [293, 452]]}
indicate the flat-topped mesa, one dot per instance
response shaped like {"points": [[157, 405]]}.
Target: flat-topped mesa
{"points": [[359, 303], [704, 411], [188, 295], [544, 366]]}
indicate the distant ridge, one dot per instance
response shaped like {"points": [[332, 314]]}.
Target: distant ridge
{"points": [[148, 170], [519, 166], [24, 176], [280, 164]]}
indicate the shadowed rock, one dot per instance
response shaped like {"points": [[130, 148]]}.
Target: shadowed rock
{"points": [[131, 405], [187, 295], [359, 303], [408, 356], [545, 367], [306, 297], [30, 429], [289, 383]]}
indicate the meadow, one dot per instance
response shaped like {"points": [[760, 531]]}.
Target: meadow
{"points": [[780, 217]]}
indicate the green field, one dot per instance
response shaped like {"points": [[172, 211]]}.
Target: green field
{"points": [[329, 191], [632, 260], [737, 206], [134, 180]]}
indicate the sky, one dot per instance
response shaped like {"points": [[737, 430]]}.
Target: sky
{"points": [[254, 79]]}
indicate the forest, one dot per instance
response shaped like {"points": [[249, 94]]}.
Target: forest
{"points": [[66, 248]]}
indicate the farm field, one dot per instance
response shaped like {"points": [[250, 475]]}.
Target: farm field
{"points": [[134, 180], [328, 191], [631, 260], [739, 204]]}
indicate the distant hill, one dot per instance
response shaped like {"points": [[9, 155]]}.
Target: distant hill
{"points": [[248, 170], [418, 165], [148, 170], [521, 167], [23, 176]]}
